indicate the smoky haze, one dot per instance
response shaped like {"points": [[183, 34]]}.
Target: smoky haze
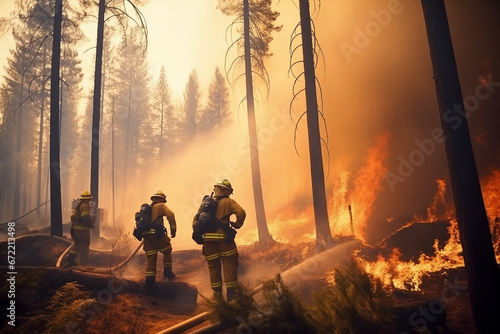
{"points": [[382, 155], [376, 78], [376, 82]]}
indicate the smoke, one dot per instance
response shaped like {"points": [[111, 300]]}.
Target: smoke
{"points": [[376, 82], [376, 77]]}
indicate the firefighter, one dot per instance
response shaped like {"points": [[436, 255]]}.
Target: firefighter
{"points": [[81, 223], [156, 240], [220, 251]]}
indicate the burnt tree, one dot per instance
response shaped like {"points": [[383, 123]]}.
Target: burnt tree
{"points": [[483, 274], [323, 233], [55, 161]]}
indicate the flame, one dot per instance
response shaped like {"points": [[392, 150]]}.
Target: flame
{"points": [[408, 275], [490, 186], [290, 223], [367, 185]]}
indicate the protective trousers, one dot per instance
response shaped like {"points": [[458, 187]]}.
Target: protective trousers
{"points": [[152, 246], [81, 247], [221, 254]]}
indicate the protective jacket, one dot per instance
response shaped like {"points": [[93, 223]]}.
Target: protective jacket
{"points": [[81, 223], [220, 254], [225, 208], [156, 240]]}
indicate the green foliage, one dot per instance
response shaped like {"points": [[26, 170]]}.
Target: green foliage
{"points": [[67, 305], [221, 311], [283, 311], [356, 304], [280, 312]]}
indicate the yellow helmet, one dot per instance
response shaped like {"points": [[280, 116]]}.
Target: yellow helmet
{"points": [[86, 195], [159, 194], [225, 184]]}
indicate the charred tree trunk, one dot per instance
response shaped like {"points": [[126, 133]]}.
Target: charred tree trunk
{"points": [[40, 146], [55, 161], [264, 235], [323, 233], [17, 176], [483, 274], [96, 112]]}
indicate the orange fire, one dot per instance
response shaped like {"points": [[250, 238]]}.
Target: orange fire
{"points": [[408, 275], [366, 187], [359, 194]]}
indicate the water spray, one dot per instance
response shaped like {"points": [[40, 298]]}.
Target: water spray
{"points": [[313, 266]]}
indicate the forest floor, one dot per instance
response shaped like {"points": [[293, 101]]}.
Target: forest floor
{"points": [[105, 301]]}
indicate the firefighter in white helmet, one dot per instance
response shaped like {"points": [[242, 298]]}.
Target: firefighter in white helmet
{"points": [[81, 223], [156, 240], [218, 247]]}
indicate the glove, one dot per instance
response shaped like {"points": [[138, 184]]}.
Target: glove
{"points": [[173, 233], [235, 225]]}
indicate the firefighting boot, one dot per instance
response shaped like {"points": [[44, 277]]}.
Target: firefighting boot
{"points": [[167, 272], [217, 293], [150, 285], [72, 260], [230, 294]]}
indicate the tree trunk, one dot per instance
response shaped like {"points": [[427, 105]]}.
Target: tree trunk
{"points": [[55, 161], [483, 274], [96, 114], [264, 235], [40, 146], [96, 110], [17, 176], [323, 233]]}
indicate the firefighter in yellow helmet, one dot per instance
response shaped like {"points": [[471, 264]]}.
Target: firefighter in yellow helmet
{"points": [[81, 223], [219, 247], [156, 240]]}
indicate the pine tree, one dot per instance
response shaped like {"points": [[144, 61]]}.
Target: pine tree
{"points": [[26, 96], [133, 131], [162, 104], [192, 96], [257, 19], [216, 112], [483, 274], [323, 233]]}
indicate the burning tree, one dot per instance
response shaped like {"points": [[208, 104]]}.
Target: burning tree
{"points": [[253, 46], [483, 274]]}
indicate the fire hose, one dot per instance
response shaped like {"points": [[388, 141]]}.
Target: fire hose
{"points": [[58, 264], [198, 319], [308, 266]]}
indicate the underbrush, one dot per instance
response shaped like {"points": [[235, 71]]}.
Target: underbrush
{"points": [[356, 303]]}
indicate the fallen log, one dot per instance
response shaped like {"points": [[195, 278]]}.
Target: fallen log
{"points": [[104, 285]]}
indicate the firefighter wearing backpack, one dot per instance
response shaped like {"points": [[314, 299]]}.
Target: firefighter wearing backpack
{"points": [[156, 239], [219, 247], [81, 223]]}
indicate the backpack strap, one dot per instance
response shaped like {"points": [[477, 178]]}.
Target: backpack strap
{"points": [[217, 199], [154, 222], [77, 211]]}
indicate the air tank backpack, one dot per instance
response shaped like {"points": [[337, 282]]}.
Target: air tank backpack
{"points": [[207, 221], [142, 220]]}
